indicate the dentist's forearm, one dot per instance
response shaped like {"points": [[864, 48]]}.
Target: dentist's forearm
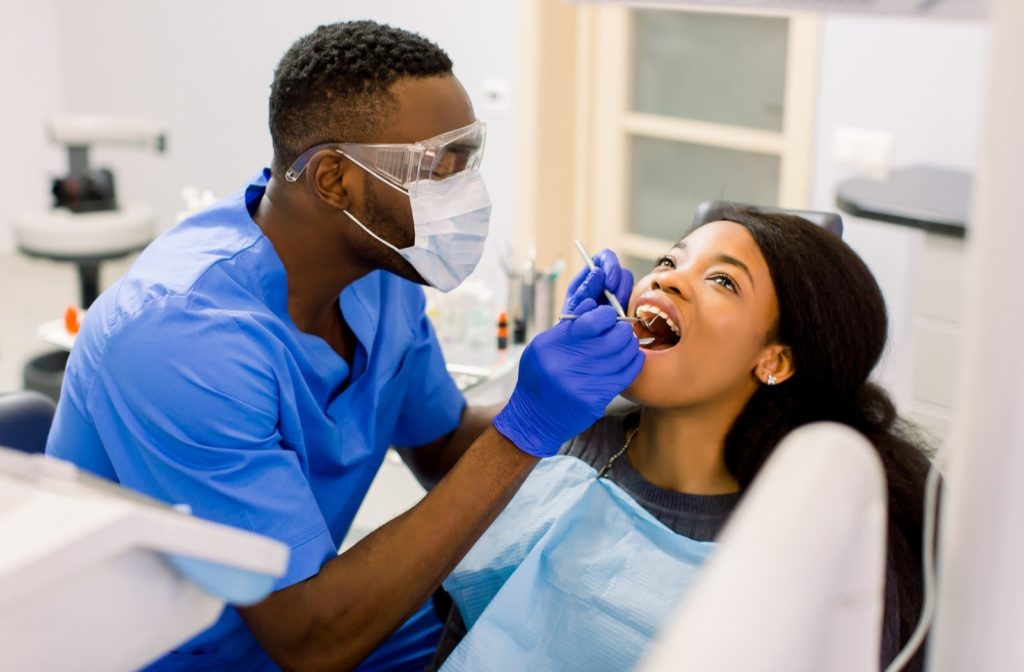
{"points": [[335, 619], [429, 464]]}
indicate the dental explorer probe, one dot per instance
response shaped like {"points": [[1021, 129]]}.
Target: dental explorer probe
{"points": [[612, 299]]}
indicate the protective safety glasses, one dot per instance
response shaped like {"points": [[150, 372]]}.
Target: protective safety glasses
{"points": [[405, 165]]}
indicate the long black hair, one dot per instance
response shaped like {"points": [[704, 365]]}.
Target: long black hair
{"points": [[832, 316]]}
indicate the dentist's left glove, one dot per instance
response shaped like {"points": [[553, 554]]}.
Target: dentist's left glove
{"points": [[588, 284], [567, 376]]}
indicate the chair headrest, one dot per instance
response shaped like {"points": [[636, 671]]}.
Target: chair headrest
{"points": [[709, 211]]}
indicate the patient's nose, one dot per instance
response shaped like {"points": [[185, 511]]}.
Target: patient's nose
{"points": [[673, 282]]}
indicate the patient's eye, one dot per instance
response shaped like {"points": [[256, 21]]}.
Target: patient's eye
{"points": [[665, 262], [725, 281]]}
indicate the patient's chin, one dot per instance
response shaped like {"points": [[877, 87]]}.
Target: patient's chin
{"points": [[642, 390], [655, 388]]}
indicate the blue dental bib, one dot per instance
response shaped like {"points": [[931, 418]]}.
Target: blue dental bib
{"points": [[573, 575]]}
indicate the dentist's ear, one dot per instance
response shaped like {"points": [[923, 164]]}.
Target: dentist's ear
{"points": [[775, 365], [331, 178]]}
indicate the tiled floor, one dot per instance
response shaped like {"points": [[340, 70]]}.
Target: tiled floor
{"points": [[33, 291]]}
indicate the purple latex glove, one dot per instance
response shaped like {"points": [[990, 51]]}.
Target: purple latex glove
{"points": [[591, 284], [567, 376]]}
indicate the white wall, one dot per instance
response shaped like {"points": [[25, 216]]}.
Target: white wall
{"points": [[30, 89], [922, 81], [205, 68]]}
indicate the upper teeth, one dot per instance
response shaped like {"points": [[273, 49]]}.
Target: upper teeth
{"points": [[654, 314]]}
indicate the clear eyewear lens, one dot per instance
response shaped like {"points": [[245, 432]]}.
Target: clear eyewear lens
{"points": [[460, 151], [439, 157]]}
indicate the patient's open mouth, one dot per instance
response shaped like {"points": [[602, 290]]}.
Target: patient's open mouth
{"points": [[655, 323]]}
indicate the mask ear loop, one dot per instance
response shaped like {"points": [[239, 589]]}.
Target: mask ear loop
{"points": [[371, 233], [385, 181]]}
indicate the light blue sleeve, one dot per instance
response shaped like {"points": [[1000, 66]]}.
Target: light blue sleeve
{"points": [[186, 403], [432, 403]]}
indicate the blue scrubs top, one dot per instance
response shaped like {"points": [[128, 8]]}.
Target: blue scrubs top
{"points": [[189, 382]]}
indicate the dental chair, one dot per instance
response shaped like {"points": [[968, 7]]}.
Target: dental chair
{"points": [[25, 419], [815, 517]]}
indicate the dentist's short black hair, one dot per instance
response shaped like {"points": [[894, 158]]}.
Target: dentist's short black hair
{"points": [[333, 85]]}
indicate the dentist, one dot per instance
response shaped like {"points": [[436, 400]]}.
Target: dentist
{"points": [[259, 358]]}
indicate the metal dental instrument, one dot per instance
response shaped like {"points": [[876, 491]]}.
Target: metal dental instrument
{"points": [[612, 299], [570, 316], [610, 296], [607, 292], [649, 322], [643, 341]]}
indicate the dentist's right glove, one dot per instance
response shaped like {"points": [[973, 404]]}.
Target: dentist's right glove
{"points": [[567, 376]]}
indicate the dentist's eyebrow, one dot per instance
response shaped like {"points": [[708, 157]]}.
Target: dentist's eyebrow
{"points": [[723, 258]]}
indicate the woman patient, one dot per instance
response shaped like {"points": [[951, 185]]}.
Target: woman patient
{"points": [[762, 323]]}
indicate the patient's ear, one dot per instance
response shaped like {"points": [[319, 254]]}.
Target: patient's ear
{"points": [[775, 364]]}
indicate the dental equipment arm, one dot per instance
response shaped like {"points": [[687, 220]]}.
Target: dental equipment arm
{"points": [[333, 620], [95, 576]]}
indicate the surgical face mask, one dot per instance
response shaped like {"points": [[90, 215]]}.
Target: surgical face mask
{"points": [[451, 218], [450, 205]]}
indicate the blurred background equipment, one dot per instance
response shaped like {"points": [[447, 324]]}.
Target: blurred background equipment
{"points": [[86, 225]]}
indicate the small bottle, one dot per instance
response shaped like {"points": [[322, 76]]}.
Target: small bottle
{"points": [[502, 330], [518, 331], [71, 323]]}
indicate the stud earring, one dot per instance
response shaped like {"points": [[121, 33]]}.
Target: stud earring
{"points": [[771, 379]]}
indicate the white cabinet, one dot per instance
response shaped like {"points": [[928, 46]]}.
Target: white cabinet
{"points": [[937, 318], [934, 202]]}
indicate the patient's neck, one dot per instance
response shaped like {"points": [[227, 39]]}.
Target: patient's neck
{"points": [[683, 450]]}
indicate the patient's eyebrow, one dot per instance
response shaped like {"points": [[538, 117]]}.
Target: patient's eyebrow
{"points": [[733, 261], [723, 258]]}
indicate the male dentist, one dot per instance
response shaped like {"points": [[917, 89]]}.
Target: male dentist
{"points": [[259, 358]]}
